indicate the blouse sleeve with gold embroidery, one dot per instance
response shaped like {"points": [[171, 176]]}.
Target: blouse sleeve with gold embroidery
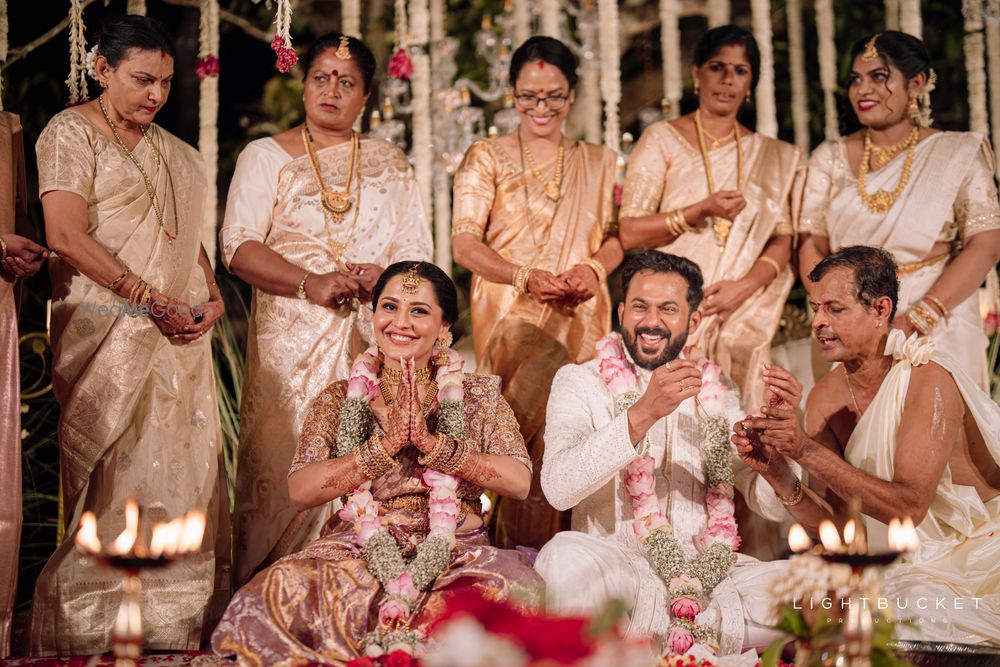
{"points": [[645, 179], [474, 191], [318, 439], [818, 190], [977, 209], [493, 421], [66, 157]]}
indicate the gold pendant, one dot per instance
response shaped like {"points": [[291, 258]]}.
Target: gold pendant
{"points": [[337, 249], [721, 227], [336, 202], [552, 190]]}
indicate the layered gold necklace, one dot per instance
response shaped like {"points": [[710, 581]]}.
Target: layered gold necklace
{"points": [[337, 203], [552, 187], [720, 226], [394, 376], [147, 181], [882, 200]]}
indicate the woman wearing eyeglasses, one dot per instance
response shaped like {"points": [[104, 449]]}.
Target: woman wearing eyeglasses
{"points": [[533, 221]]}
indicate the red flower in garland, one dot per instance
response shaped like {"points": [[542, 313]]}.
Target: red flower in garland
{"points": [[286, 54], [401, 67], [206, 67], [361, 662]]}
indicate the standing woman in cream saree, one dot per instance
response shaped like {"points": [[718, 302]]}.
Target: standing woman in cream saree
{"points": [[706, 188], [532, 220], [926, 196], [124, 203], [313, 216]]}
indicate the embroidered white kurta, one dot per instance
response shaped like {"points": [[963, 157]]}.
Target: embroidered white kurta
{"points": [[586, 450]]}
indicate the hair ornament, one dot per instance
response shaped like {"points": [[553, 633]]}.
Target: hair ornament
{"points": [[870, 53], [343, 50], [411, 279]]}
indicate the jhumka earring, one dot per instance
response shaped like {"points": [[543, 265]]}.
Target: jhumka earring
{"points": [[443, 344], [411, 279], [914, 109], [343, 52]]}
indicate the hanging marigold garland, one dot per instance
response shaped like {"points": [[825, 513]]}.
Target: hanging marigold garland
{"points": [[77, 80], [282, 43]]}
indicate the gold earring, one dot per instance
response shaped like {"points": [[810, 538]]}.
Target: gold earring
{"points": [[443, 345], [696, 89], [748, 96], [914, 109]]}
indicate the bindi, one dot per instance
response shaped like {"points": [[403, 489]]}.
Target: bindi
{"points": [[541, 64], [334, 72]]}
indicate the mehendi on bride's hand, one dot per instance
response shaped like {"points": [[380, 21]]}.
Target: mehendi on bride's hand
{"points": [[478, 469]]}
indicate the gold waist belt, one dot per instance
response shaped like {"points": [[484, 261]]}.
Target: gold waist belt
{"points": [[916, 266], [417, 502]]}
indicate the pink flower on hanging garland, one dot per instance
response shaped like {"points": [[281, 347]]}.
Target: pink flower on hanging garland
{"points": [[401, 67], [206, 67], [286, 54]]}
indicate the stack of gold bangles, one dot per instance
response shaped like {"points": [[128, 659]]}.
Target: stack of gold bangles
{"points": [[521, 278], [677, 224], [448, 455], [602, 273], [3, 249], [927, 313], [372, 459], [795, 498]]}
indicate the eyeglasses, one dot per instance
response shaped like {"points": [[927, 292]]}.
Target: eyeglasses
{"points": [[552, 102]]}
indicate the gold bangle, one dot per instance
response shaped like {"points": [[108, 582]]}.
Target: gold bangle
{"points": [[114, 283], [774, 265], [3, 248], [795, 498], [457, 459], [427, 458], [682, 223], [135, 291], [301, 291], [521, 277], [467, 228], [916, 322], [602, 273], [945, 313], [925, 314]]}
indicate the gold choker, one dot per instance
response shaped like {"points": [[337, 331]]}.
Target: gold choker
{"points": [[395, 375]]}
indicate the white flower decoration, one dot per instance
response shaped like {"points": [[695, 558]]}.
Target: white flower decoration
{"points": [[89, 62]]}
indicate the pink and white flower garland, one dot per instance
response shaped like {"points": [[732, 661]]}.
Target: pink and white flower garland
{"points": [[689, 582], [401, 581]]}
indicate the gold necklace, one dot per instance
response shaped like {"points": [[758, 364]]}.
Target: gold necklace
{"points": [[336, 202], [717, 141], [158, 158], [850, 388], [720, 226], [330, 216], [552, 187], [394, 377], [883, 200], [881, 156]]}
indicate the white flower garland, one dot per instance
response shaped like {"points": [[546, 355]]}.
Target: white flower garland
{"points": [[611, 85], [993, 74], [208, 117], [77, 80], [522, 21], [689, 582], [350, 18], [282, 43], [401, 24], [827, 66], [4, 44], [137, 7], [438, 31], [401, 581], [442, 219], [767, 114], [550, 18], [975, 65], [892, 14], [718, 12], [670, 48], [910, 20], [797, 67]]}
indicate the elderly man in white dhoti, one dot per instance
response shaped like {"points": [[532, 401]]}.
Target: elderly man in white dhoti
{"points": [[900, 425], [633, 445]]}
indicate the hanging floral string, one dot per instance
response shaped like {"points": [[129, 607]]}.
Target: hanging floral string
{"points": [[611, 85], [717, 12], [670, 48], [423, 141], [282, 44], [207, 68], [137, 7], [350, 18], [910, 20], [797, 67], [993, 74], [77, 80], [827, 66], [892, 14], [975, 65], [550, 18], [400, 65], [767, 114], [4, 44]]}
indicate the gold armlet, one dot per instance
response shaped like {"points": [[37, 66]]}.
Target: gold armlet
{"points": [[467, 228]]}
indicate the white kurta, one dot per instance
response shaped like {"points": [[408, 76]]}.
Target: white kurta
{"points": [[586, 450], [950, 586]]}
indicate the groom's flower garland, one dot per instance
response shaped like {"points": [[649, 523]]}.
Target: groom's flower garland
{"points": [[401, 581], [689, 582]]}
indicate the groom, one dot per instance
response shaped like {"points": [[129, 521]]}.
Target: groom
{"points": [[604, 418]]}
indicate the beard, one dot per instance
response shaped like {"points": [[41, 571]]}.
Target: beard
{"points": [[671, 350]]}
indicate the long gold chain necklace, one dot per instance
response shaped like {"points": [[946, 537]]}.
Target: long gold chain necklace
{"points": [[718, 141], [720, 226], [330, 216], [850, 388], [336, 202], [553, 186], [883, 200], [158, 158], [394, 377]]}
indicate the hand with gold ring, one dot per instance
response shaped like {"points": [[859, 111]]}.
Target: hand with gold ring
{"points": [[670, 385]]}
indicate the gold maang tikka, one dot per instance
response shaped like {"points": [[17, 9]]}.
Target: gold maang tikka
{"points": [[411, 280], [870, 53], [343, 52]]}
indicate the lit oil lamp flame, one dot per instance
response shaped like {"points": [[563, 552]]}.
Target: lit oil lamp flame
{"points": [[125, 541], [849, 532], [903, 535], [86, 537], [193, 532], [829, 536], [798, 540]]}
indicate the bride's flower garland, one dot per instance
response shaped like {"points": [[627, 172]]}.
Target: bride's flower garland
{"points": [[689, 582], [401, 581]]}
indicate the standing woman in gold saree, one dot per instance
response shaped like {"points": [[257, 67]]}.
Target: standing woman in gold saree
{"points": [[133, 295], [533, 221], [926, 196], [313, 216], [706, 188]]}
